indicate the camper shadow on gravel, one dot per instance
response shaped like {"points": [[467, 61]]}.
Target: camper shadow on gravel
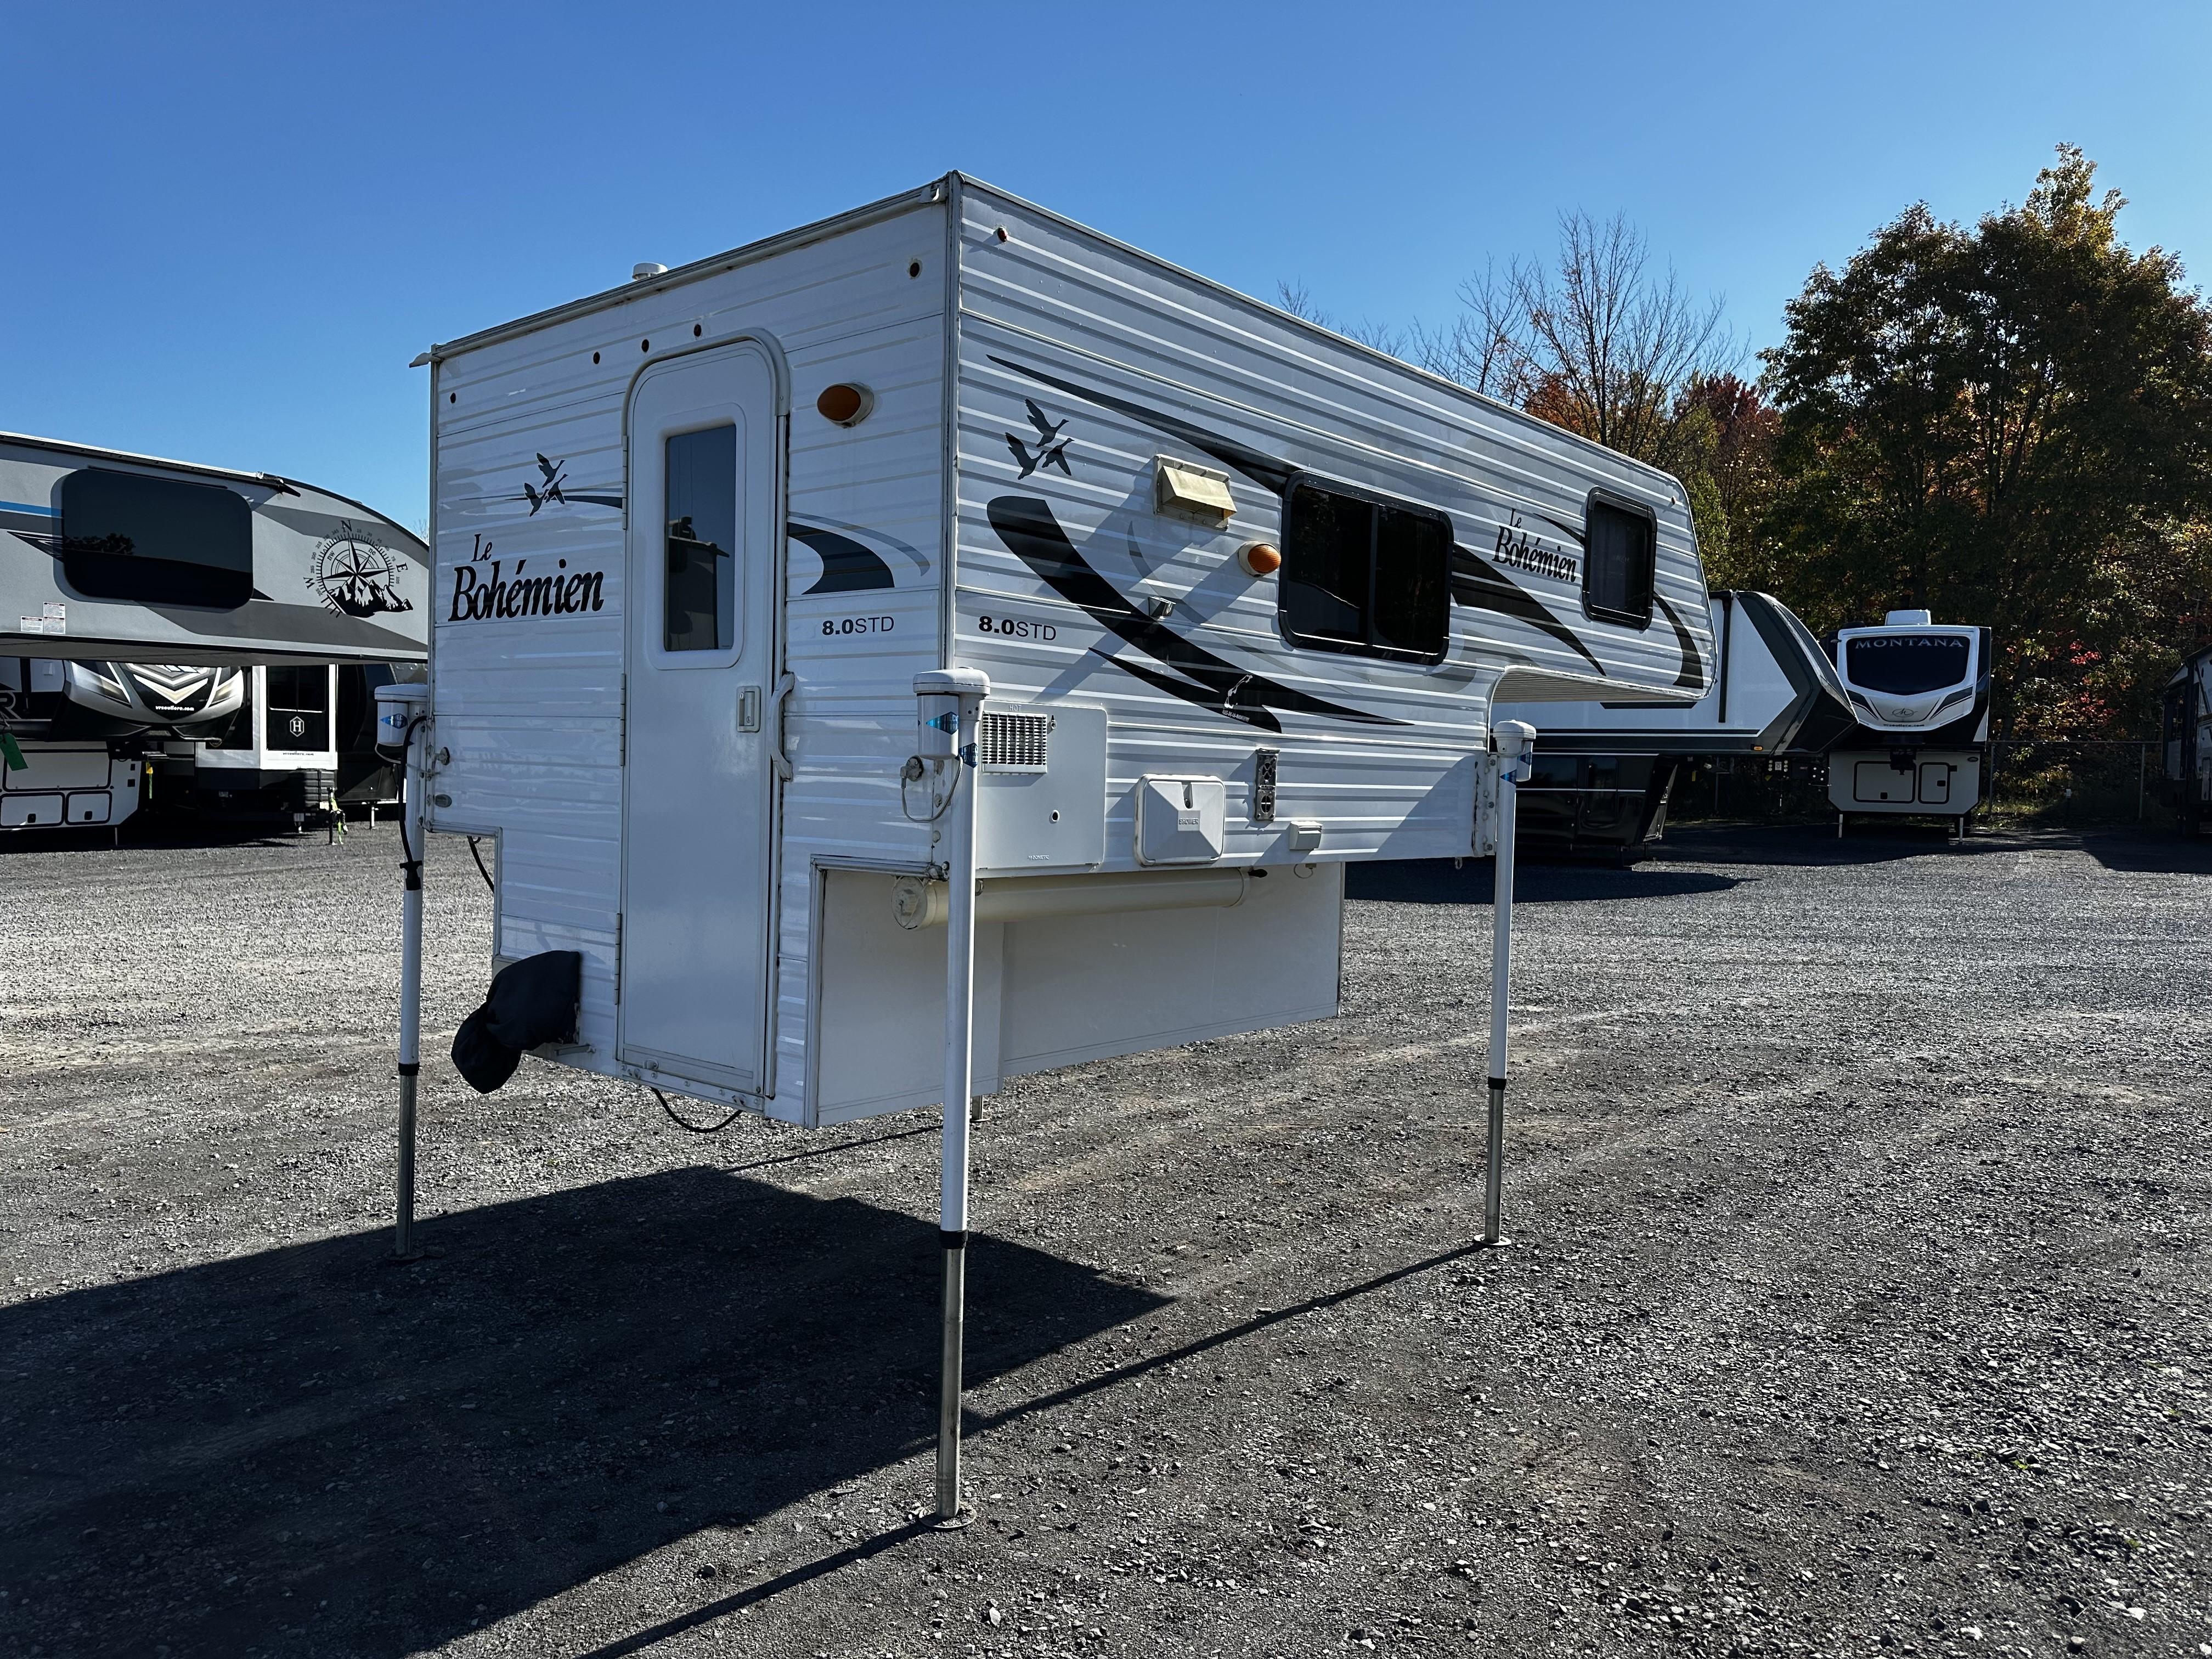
{"points": [[1438, 881], [317, 1450]]}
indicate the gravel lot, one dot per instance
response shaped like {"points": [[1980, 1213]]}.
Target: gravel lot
{"points": [[1858, 1304]]}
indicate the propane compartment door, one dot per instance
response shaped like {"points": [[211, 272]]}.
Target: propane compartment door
{"points": [[697, 786]]}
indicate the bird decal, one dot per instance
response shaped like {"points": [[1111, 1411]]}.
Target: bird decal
{"points": [[552, 490], [1050, 448]]}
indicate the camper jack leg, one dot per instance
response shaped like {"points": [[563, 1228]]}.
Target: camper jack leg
{"points": [[1513, 741], [410, 959], [951, 701]]}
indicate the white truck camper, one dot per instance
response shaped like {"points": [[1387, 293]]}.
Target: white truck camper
{"points": [[1920, 690], [943, 643]]}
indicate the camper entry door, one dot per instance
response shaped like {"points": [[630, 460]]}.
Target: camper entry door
{"points": [[701, 649]]}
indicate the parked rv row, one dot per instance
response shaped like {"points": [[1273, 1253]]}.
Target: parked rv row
{"points": [[97, 742]]}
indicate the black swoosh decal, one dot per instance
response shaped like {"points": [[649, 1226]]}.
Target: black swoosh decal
{"points": [[1025, 524], [1692, 676], [1272, 474], [848, 566], [1475, 582], [1479, 584]]}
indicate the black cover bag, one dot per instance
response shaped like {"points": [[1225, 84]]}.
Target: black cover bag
{"points": [[532, 1002]]}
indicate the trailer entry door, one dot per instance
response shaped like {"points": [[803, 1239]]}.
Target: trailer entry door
{"points": [[700, 632]]}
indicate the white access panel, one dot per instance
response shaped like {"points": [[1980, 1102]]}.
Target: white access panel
{"points": [[701, 655], [1057, 990], [1040, 821]]}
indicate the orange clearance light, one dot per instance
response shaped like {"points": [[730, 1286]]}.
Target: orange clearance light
{"points": [[1259, 559], [846, 403]]}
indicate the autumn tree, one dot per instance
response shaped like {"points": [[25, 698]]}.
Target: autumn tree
{"points": [[2010, 425]]}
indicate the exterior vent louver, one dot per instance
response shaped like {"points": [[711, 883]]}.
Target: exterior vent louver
{"points": [[1013, 742]]}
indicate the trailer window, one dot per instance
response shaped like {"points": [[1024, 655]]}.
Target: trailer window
{"points": [[1905, 664], [299, 709], [1620, 548], [156, 540], [699, 607], [1366, 577]]}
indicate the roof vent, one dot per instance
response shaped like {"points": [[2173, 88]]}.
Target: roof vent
{"points": [[1909, 619], [638, 273]]}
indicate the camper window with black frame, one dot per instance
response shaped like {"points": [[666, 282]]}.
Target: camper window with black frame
{"points": [[143, 540], [1365, 576], [1620, 556], [699, 603]]}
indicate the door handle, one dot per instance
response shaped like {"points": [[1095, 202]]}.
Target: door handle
{"points": [[781, 699], [749, 709]]}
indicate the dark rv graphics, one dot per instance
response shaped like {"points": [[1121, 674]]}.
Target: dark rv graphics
{"points": [[1604, 773], [1617, 585], [1919, 692], [2186, 747]]}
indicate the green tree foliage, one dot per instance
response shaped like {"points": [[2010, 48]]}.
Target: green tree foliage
{"points": [[2010, 425]]}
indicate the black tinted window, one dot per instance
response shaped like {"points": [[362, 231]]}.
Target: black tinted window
{"points": [[700, 610], [299, 709], [1368, 577], [1620, 555], [1904, 663], [156, 540]]}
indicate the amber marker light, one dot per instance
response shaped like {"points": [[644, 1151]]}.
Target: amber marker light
{"points": [[846, 403], [1258, 558]]}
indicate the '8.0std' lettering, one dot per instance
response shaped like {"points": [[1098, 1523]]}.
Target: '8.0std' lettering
{"points": [[1016, 627]]}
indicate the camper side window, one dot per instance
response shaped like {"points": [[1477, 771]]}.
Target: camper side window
{"points": [[700, 595], [1365, 576], [1620, 547], [145, 540]]}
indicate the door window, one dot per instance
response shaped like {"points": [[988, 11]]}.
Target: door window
{"points": [[699, 597], [299, 708]]}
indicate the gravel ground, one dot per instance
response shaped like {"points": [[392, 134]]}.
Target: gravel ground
{"points": [[1857, 1305]]}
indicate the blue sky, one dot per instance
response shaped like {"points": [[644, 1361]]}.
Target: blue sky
{"points": [[228, 227]]}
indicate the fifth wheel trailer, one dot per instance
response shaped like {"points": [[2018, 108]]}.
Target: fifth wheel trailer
{"points": [[1920, 690], [1604, 771], [106, 554], [943, 643], [2186, 749]]}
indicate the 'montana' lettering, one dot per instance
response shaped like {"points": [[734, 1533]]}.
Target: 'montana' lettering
{"points": [[478, 597]]}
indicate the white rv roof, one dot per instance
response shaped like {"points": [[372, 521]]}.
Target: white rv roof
{"points": [[937, 190]]}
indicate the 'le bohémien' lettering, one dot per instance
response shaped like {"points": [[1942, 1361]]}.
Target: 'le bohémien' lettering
{"points": [[481, 598]]}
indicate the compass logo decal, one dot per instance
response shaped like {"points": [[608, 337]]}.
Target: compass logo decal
{"points": [[356, 575]]}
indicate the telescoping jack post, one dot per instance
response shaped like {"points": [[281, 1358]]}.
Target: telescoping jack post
{"points": [[1514, 742], [403, 733], [950, 706]]}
